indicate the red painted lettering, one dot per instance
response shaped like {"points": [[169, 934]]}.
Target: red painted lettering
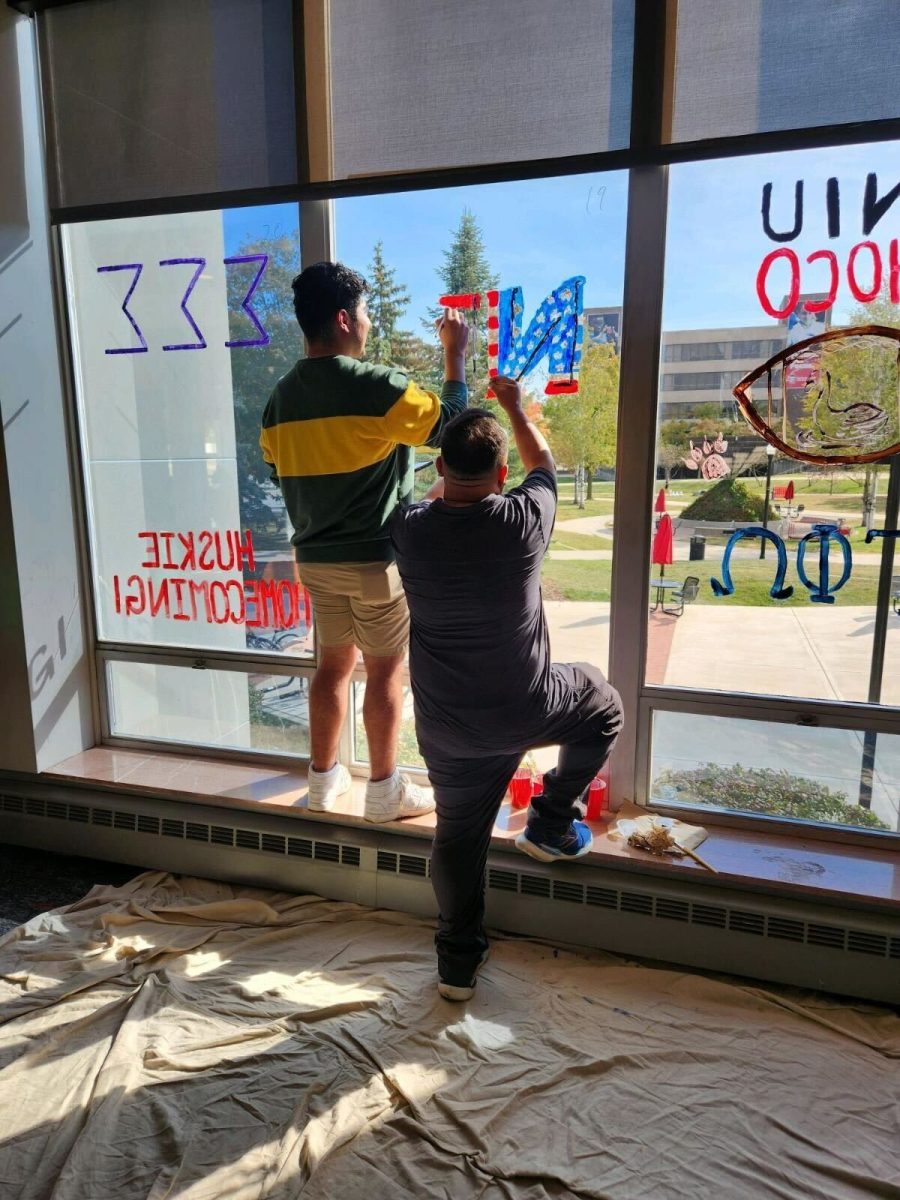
{"points": [[199, 589], [244, 549], [251, 589], [220, 559], [158, 596], [205, 562], [168, 561], [152, 560], [189, 562], [117, 599], [268, 598], [288, 591], [178, 586], [858, 293], [213, 593], [762, 276], [237, 614], [831, 258], [894, 272], [136, 603]]}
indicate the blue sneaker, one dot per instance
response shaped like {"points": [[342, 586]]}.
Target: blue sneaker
{"points": [[557, 847]]}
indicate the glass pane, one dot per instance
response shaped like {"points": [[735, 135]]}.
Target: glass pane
{"points": [[744, 66], [214, 708], [836, 776], [763, 255], [464, 241], [408, 754], [181, 326], [401, 102]]}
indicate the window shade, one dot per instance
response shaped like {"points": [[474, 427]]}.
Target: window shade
{"points": [[748, 66], [419, 84], [149, 100]]}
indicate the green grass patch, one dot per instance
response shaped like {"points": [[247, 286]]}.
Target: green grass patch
{"points": [[573, 580], [563, 540]]}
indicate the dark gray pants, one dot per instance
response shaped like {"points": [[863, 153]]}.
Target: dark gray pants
{"points": [[469, 791]]}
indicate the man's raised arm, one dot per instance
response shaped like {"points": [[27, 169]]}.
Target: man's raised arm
{"points": [[530, 442]]}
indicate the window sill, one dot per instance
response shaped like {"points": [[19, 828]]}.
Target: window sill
{"points": [[860, 876]]}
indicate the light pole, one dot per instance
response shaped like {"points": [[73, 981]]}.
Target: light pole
{"points": [[770, 458]]}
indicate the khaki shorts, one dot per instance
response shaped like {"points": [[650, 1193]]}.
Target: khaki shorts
{"points": [[358, 604]]}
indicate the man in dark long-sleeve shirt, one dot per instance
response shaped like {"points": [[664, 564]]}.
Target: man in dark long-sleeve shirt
{"points": [[338, 433]]}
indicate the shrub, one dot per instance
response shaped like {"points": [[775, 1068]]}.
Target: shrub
{"points": [[763, 790], [728, 500]]}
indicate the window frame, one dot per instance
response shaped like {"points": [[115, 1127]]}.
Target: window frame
{"points": [[647, 160]]}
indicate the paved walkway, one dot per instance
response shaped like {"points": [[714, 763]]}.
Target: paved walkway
{"points": [[818, 651]]}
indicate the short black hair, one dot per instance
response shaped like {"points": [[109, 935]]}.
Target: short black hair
{"points": [[321, 291], [474, 444]]}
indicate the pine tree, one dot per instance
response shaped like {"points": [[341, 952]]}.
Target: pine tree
{"points": [[388, 301], [466, 269]]}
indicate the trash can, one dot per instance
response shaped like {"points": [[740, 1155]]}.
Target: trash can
{"points": [[698, 548]]}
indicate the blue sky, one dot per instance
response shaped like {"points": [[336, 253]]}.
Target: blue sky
{"points": [[538, 232]]}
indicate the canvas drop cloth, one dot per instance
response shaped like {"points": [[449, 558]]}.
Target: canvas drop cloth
{"points": [[185, 1039]]}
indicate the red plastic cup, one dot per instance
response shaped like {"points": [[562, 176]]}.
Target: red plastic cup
{"points": [[520, 788], [537, 785], [598, 799]]}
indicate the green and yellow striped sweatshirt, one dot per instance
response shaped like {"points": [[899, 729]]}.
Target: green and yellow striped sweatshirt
{"points": [[337, 434]]}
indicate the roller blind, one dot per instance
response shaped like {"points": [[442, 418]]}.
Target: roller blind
{"points": [[749, 66], [169, 98], [416, 84]]}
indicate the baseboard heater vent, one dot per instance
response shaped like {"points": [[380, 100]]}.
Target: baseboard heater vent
{"points": [[383, 868], [713, 916], [416, 865], [339, 853]]}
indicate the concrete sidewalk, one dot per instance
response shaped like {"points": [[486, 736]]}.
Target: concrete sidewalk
{"points": [[822, 652]]}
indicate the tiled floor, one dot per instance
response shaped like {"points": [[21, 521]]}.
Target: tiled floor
{"points": [[773, 862]]}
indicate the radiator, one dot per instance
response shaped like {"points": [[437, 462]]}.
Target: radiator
{"points": [[850, 951]]}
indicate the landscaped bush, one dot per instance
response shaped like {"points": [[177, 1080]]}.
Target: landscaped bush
{"points": [[728, 500], [762, 790]]}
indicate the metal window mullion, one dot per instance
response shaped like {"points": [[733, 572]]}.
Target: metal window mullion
{"points": [[645, 246], [78, 482], [795, 710], [200, 658], [316, 232]]}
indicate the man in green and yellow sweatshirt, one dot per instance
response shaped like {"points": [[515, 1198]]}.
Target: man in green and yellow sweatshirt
{"points": [[338, 433]]}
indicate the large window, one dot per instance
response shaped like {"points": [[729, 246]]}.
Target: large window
{"points": [[761, 677], [794, 613], [180, 326], [417, 247]]}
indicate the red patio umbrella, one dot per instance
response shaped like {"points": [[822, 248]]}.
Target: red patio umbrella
{"points": [[661, 551], [660, 505], [789, 491]]}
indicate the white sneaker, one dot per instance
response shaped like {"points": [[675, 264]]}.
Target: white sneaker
{"points": [[326, 786], [397, 797]]}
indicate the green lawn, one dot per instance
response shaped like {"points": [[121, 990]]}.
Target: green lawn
{"points": [[564, 540], [598, 507], [752, 578]]}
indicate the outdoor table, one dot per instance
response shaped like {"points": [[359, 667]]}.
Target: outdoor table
{"points": [[662, 586]]}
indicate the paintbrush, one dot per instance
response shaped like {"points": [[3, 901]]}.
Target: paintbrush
{"points": [[660, 841]]}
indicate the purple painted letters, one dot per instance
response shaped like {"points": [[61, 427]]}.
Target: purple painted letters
{"points": [[200, 263], [137, 268], [263, 260]]}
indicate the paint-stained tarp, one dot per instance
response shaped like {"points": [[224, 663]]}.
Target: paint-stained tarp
{"points": [[185, 1039]]}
